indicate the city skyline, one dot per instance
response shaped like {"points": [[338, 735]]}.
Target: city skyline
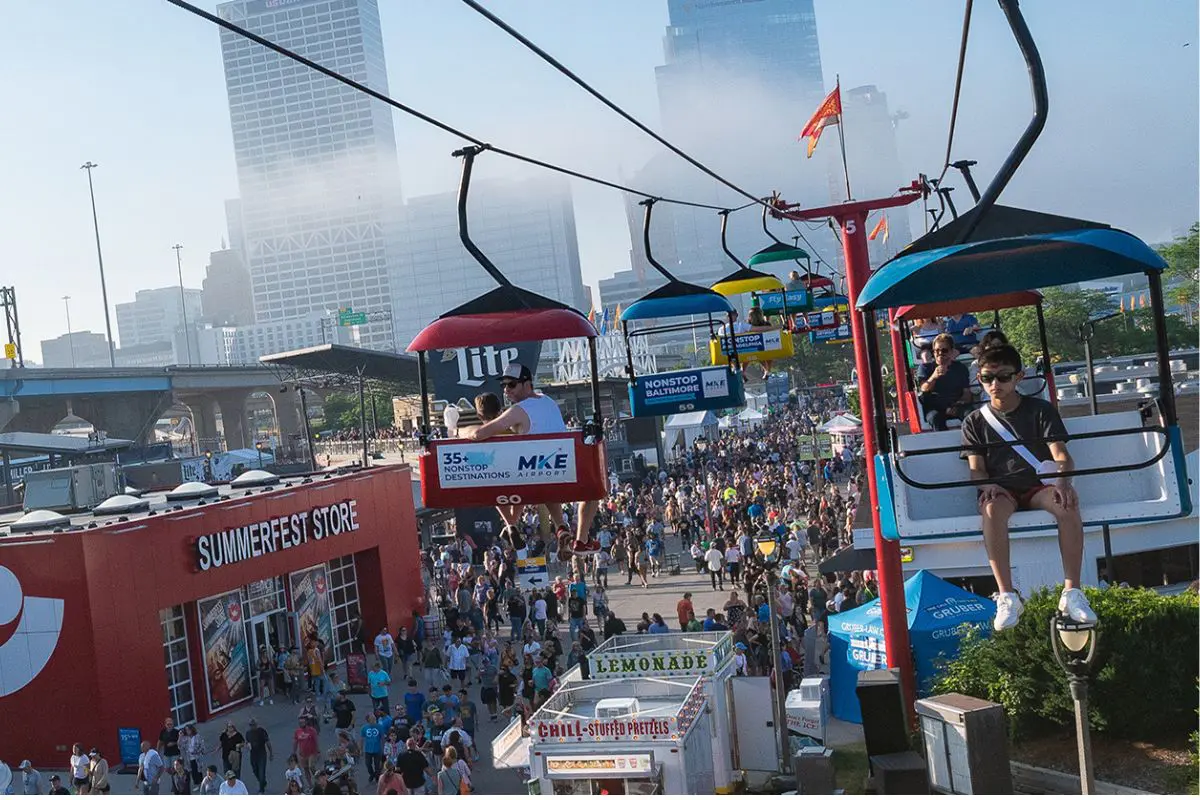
{"points": [[165, 150]]}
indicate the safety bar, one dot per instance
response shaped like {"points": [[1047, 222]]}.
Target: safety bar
{"points": [[898, 455], [673, 327]]}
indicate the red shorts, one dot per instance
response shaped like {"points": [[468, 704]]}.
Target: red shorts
{"points": [[1023, 499]]}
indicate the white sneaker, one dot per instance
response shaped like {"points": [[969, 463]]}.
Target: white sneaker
{"points": [[1008, 610], [1074, 604]]}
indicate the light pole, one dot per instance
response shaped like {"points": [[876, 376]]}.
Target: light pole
{"points": [[259, 447], [768, 551], [1078, 640], [112, 351], [70, 337], [702, 446], [187, 338]]}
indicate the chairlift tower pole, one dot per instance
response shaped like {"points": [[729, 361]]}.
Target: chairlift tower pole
{"points": [[852, 218]]}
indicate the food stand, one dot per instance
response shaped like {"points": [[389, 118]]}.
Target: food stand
{"points": [[623, 736], [708, 655], [659, 666]]}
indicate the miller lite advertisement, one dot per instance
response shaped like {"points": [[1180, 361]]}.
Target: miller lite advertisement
{"points": [[466, 372]]}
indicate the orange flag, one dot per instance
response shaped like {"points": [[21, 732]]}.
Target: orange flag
{"points": [[592, 315], [880, 227], [830, 113]]}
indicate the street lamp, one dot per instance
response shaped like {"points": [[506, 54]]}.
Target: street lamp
{"points": [[1075, 651], [208, 470], [112, 352], [259, 447], [70, 336], [768, 551], [178, 248], [702, 446]]}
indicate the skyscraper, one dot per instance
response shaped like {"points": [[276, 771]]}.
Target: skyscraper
{"points": [[525, 227], [155, 314], [874, 163], [316, 160], [739, 82]]}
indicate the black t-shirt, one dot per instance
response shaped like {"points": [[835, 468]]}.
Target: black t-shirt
{"points": [[170, 740], [230, 743], [257, 738], [343, 712], [516, 607], [948, 389], [508, 687], [576, 607], [412, 764], [1033, 418], [613, 626]]}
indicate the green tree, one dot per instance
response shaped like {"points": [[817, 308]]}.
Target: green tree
{"points": [[1183, 262], [1065, 310], [342, 412]]}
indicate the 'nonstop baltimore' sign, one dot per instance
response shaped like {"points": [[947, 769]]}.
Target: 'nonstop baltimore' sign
{"points": [[272, 535], [686, 390]]}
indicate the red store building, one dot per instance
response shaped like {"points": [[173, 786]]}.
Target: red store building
{"points": [[113, 621]]}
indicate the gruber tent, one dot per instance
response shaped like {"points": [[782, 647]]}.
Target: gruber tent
{"points": [[937, 612], [681, 430]]}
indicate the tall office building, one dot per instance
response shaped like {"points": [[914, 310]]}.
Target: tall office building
{"points": [[155, 314], [526, 227], [874, 163], [227, 290], [316, 160], [739, 82]]}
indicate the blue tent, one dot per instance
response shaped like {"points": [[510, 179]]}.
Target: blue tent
{"points": [[936, 612]]}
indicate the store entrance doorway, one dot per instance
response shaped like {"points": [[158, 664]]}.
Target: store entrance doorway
{"points": [[268, 634]]}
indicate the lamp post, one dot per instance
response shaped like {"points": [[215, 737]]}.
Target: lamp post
{"points": [[259, 447], [768, 550], [112, 352], [187, 339], [70, 336], [1075, 650], [208, 471], [702, 446]]}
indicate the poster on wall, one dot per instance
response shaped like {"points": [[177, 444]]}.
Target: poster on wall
{"points": [[226, 657], [310, 601]]}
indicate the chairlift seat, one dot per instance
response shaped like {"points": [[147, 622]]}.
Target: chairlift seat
{"points": [[1125, 496]]}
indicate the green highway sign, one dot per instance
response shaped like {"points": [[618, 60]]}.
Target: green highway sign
{"points": [[348, 316]]}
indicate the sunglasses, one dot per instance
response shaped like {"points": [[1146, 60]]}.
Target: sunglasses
{"points": [[508, 384], [1004, 377], [937, 351]]}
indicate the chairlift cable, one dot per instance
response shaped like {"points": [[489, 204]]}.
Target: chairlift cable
{"points": [[552, 61], [962, 60], [353, 84]]}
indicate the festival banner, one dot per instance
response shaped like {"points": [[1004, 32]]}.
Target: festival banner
{"points": [[226, 656], [500, 462], [310, 602]]}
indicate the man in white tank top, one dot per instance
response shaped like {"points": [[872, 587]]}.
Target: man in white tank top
{"points": [[532, 412]]}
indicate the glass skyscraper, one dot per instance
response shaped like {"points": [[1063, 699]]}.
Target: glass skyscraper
{"points": [[740, 79], [316, 160]]}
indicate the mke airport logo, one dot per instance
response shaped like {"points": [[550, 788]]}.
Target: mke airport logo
{"points": [[28, 650]]}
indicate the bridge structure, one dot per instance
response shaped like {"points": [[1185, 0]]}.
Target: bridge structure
{"points": [[126, 402]]}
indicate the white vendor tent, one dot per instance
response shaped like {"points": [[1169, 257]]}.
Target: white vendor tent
{"points": [[843, 422], [682, 430], [750, 417], [756, 401]]}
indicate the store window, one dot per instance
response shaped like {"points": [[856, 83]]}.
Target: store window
{"points": [[179, 670], [343, 583]]}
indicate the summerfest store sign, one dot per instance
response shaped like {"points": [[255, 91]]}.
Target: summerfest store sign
{"points": [[272, 535]]}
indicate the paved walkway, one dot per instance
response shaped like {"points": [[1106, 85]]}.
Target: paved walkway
{"points": [[627, 601]]}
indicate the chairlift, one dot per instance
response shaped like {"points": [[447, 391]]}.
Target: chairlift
{"points": [[1130, 465], [507, 470], [1034, 385], [767, 293], [680, 391]]}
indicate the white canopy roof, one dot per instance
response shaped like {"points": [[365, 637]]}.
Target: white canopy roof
{"points": [[751, 414], [692, 419], [841, 421]]}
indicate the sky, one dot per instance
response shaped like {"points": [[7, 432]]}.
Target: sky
{"points": [[137, 86]]}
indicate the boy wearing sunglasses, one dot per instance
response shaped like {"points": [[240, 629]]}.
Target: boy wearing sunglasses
{"points": [[1019, 443]]}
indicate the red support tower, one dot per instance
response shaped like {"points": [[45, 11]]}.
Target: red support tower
{"points": [[852, 217]]}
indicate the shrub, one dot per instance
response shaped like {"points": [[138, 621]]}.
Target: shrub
{"points": [[1143, 683]]}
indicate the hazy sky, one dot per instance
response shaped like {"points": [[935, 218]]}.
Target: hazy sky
{"points": [[137, 86]]}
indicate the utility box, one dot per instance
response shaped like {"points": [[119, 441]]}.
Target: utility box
{"points": [[77, 488], [966, 745], [813, 768]]}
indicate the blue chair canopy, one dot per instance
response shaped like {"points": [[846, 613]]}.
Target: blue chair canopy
{"points": [[677, 299], [1027, 250]]}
